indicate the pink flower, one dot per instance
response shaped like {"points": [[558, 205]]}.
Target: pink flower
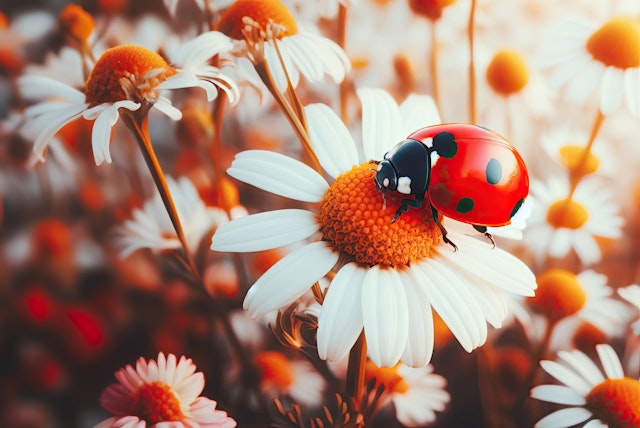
{"points": [[161, 394]]}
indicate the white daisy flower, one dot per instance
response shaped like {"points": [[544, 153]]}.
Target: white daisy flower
{"points": [[165, 392], [416, 393], [265, 30], [295, 378], [151, 226], [596, 398], [388, 274], [631, 294], [604, 57], [558, 225], [569, 300], [124, 77]]}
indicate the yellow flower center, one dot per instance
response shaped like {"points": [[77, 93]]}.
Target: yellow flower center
{"points": [[386, 376], [431, 9], [559, 294], [276, 369], [571, 157], [156, 402], [77, 22], [567, 213], [616, 43], [616, 402], [354, 220], [507, 72], [126, 72], [262, 12]]}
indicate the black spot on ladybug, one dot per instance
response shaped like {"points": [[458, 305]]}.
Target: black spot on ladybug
{"points": [[494, 171], [445, 144], [516, 207], [464, 205]]}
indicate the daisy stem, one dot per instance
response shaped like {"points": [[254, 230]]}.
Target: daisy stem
{"points": [[137, 122], [355, 370], [472, 66], [299, 126], [344, 85], [433, 64], [537, 354], [577, 173]]}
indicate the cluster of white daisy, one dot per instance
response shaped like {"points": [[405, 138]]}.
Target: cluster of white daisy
{"points": [[229, 150]]}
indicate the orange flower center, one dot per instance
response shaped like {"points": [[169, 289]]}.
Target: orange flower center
{"points": [[354, 220], [616, 402], [78, 23], [588, 335], [126, 72], [571, 157], [262, 12], [616, 43], [507, 72], [567, 213], [156, 402], [386, 376], [276, 369], [432, 9], [559, 294]]}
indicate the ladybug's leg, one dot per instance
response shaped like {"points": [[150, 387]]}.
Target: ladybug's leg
{"points": [[483, 230], [436, 219], [406, 203]]}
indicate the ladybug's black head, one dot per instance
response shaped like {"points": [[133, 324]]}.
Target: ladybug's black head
{"points": [[386, 177]]}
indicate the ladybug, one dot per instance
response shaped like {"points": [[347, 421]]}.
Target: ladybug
{"points": [[477, 178]]}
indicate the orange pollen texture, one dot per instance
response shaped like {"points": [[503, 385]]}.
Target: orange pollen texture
{"points": [[262, 12], [507, 72], [156, 402], [123, 68], [616, 402], [559, 294], [354, 220], [567, 213], [572, 158], [276, 369], [616, 43], [386, 376]]}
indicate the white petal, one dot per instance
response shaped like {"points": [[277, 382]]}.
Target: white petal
{"points": [[583, 365], [340, 320], [63, 116], [331, 140], [449, 298], [611, 90], [584, 83], [418, 111], [101, 133], [39, 87], [279, 174], [566, 376], [564, 418], [381, 122], [384, 314], [289, 278], [610, 361], [163, 105], [264, 231], [419, 347], [558, 394], [632, 90]]}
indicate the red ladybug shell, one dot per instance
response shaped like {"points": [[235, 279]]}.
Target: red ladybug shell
{"points": [[479, 179]]}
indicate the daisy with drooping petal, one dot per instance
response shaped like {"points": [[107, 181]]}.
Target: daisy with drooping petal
{"points": [[124, 77], [151, 226], [559, 224], [388, 274], [165, 392], [590, 57], [597, 397], [416, 393], [265, 31]]}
